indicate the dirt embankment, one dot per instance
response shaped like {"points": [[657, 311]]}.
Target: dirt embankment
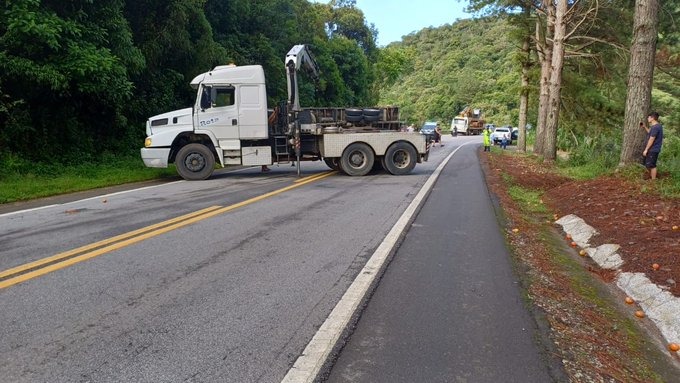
{"points": [[597, 339]]}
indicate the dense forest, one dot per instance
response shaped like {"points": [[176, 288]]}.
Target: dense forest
{"points": [[79, 78], [434, 73]]}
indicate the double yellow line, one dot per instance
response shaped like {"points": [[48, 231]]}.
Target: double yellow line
{"points": [[59, 261]]}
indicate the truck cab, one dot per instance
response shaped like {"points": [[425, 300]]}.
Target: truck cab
{"points": [[228, 122]]}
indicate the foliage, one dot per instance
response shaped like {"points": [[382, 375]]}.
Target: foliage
{"points": [[669, 158], [433, 74], [79, 78], [64, 73]]}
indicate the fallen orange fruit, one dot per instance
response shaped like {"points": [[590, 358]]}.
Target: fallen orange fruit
{"points": [[629, 300], [640, 314], [582, 253], [674, 347], [655, 266]]}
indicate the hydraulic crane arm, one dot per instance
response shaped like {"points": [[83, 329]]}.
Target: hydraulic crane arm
{"points": [[298, 57]]}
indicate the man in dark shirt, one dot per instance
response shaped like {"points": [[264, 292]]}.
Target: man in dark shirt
{"points": [[652, 143]]}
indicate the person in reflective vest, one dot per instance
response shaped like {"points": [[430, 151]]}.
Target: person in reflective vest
{"points": [[487, 140]]}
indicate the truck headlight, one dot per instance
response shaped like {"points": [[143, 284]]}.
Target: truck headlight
{"points": [[147, 142]]}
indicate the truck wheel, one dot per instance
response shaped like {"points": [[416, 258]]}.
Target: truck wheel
{"points": [[357, 159], [400, 158], [195, 162], [333, 163]]}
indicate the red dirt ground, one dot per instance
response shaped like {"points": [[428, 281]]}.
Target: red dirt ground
{"points": [[588, 338], [640, 222]]}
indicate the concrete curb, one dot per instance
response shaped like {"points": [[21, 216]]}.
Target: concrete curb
{"points": [[658, 304]]}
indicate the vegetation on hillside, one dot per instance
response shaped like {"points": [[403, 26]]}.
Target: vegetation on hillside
{"points": [[79, 79], [432, 74]]}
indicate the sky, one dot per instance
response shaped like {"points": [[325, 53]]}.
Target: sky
{"points": [[397, 18]]}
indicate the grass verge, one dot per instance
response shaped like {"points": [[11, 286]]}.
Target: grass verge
{"points": [[20, 183]]}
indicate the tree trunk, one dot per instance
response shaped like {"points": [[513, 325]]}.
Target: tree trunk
{"points": [[544, 49], [524, 96], [640, 76], [555, 87]]}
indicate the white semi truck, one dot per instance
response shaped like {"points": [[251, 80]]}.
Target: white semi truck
{"points": [[468, 122], [230, 124]]}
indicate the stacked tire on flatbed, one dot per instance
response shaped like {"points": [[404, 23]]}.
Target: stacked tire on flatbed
{"points": [[368, 139]]}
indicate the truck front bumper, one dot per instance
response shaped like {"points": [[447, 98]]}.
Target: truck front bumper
{"points": [[155, 157]]}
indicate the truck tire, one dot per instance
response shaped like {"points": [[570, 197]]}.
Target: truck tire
{"points": [[400, 158], [353, 115], [333, 163], [195, 162], [371, 115], [353, 118], [354, 112], [357, 159]]}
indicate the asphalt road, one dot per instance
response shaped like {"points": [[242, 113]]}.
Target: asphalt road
{"points": [[448, 308], [235, 293], [232, 297]]}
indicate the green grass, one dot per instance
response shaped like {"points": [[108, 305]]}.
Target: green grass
{"points": [[583, 172], [20, 181], [529, 200]]}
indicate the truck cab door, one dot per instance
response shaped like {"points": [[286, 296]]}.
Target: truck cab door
{"points": [[217, 111]]}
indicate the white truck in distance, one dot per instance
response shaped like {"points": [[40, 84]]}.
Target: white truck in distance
{"points": [[468, 122], [230, 124]]}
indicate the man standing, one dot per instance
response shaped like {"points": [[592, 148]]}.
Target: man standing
{"points": [[504, 141], [438, 135], [487, 140], [652, 143]]}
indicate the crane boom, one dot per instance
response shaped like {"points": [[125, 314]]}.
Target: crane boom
{"points": [[298, 57]]}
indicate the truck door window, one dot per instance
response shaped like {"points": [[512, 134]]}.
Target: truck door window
{"points": [[222, 96]]}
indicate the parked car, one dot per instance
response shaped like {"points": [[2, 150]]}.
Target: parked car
{"points": [[428, 128], [497, 134], [515, 134]]}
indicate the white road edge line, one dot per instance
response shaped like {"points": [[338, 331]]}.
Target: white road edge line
{"points": [[104, 196], [309, 364], [86, 199]]}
